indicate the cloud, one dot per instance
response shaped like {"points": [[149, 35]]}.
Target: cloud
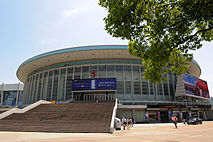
{"points": [[47, 41], [81, 8], [67, 14]]}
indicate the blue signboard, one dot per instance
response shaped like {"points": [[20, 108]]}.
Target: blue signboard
{"points": [[94, 84]]}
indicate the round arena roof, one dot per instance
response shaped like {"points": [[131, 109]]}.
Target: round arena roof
{"points": [[81, 53]]}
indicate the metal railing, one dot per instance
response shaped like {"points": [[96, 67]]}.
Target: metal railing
{"points": [[113, 116]]}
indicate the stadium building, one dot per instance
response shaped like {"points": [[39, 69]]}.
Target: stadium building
{"points": [[106, 72]]}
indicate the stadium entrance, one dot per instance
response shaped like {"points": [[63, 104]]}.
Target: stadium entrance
{"points": [[93, 96], [101, 89]]}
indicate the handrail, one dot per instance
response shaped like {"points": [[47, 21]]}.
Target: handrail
{"points": [[113, 116], [17, 110]]}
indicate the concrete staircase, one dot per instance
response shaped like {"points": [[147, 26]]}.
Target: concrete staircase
{"points": [[66, 117], [17, 110]]}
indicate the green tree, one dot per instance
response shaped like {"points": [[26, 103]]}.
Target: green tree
{"points": [[161, 32]]}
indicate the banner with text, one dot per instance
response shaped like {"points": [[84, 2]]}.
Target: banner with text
{"points": [[94, 84]]}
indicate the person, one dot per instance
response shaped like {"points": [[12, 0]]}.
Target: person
{"points": [[124, 122], [128, 124], [133, 121], [174, 119], [184, 121], [147, 116]]}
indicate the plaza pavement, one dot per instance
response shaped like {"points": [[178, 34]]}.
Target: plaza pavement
{"points": [[164, 132]]}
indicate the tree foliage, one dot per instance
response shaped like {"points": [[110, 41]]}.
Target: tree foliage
{"points": [[161, 32]]}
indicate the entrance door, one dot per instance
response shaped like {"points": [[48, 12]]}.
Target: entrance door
{"points": [[110, 95], [93, 96], [78, 96], [89, 97], [164, 116]]}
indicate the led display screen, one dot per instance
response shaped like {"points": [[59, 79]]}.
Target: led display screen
{"points": [[195, 86], [94, 84]]}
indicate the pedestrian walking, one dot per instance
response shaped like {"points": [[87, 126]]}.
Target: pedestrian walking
{"points": [[184, 121], [133, 122], [124, 122], [174, 119], [128, 123]]}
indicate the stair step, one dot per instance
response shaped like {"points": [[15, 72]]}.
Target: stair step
{"points": [[70, 117]]}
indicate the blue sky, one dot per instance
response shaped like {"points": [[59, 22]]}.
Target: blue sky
{"points": [[32, 27]]}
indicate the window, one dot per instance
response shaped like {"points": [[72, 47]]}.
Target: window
{"points": [[62, 85], [127, 87], [20, 98], [93, 71], [85, 72], [120, 87], [110, 68], [159, 88], [137, 88], [110, 71], [31, 89], [35, 89], [102, 71], [119, 72], [165, 86], [63, 71], [142, 69], [70, 71], [145, 90], [55, 85], [69, 84], [49, 86], [151, 88], [136, 73], [45, 81], [127, 73], [39, 87], [77, 74]]}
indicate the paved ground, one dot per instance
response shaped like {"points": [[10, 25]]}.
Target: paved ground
{"points": [[139, 133]]}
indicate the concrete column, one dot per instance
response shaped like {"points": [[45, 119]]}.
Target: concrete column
{"points": [[198, 114], [25, 91], [53, 78], [156, 91], [149, 89], [132, 83], [2, 93], [162, 86], [37, 86], [167, 81], [141, 83], [59, 77], [17, 94], [42, 84], [32, 90], [65, 84], [133, 113]]}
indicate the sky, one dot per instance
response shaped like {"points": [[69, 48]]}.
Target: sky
{"points": [[32, 27]]}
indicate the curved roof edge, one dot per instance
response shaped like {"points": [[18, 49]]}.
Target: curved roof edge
{"points": [[74, 49], [197, 66], [81, 48]]}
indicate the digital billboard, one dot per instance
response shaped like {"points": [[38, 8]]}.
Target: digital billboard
{"points": [[94, 84], [195, 86]]}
